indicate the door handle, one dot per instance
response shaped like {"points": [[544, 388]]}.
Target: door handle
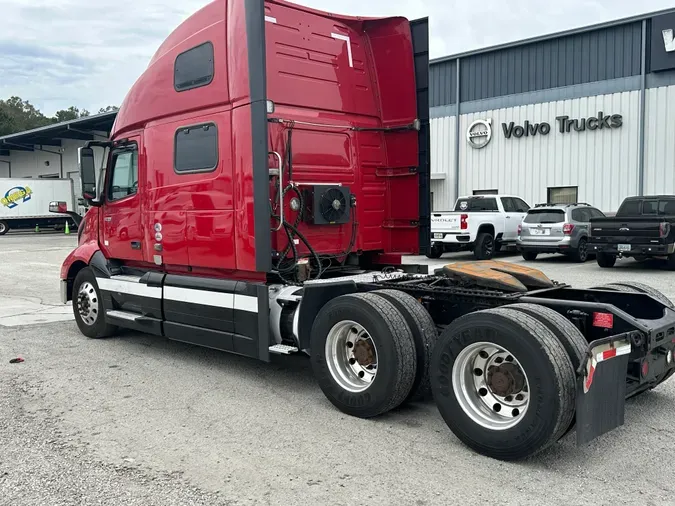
{"points": [[135, 244], [508, 217], [107, 218]]}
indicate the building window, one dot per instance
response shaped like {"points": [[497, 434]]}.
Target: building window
{"points": [[196, 148], [194, 68], [563, 195], [485, 192], [124, 176]]}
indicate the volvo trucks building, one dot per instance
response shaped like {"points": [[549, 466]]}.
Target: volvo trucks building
{"points": [[587, 115]]}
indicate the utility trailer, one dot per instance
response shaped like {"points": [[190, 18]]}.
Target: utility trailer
{"points": [[264, 178]]}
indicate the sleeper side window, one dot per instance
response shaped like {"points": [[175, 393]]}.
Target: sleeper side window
{"points": [[124, 175], [196, 148], [194, 68]]}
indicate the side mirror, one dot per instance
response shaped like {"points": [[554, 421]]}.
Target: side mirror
{"points": [[85, 160], [58, 207]]}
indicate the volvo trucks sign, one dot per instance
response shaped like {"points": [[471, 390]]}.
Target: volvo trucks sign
{"points": [[479, 133]]}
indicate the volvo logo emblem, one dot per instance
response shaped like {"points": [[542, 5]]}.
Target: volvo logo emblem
{"points": [[479, 133]]}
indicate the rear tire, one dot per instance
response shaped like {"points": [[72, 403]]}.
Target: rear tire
{"points": [[387, 341], [606, 261], [4, 227], [634, 286], [436, 250], [530, 256], [568, 334], [539, 354], [581, 253], [424, 333], [88, 306], [484, 247]]}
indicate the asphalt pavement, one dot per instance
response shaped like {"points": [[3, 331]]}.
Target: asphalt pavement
{"points": [[137, 419]]}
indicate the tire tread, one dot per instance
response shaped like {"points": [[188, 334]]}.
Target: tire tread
{"points": [[425, 336]]}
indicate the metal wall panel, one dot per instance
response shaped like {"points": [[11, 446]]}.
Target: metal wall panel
{"points": [[609, 53], [443, 83], [443, 162], [659, 168], [602, 163]]}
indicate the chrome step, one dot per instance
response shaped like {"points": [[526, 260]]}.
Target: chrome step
{"points": [[283, 349], [123, 315]]}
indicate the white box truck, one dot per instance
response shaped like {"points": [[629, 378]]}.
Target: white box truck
{"points": [[24, 203]]}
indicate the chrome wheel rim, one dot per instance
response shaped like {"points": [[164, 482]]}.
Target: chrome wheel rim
{"points": [[351, 356], [491, 386], [3, 228], [87, 303]]}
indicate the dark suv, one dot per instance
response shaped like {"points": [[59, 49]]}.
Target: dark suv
{"points": [[556, 228]]}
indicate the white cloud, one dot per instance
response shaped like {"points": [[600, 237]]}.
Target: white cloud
{"points": [[58, 53]]}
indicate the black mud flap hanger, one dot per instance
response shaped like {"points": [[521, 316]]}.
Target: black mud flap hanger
{"points": [[601, 388]]}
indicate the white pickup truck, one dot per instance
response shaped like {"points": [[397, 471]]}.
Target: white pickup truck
{"points": [[483, 223]]}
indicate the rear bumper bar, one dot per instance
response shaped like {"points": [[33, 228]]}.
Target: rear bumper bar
{"points": [[635, 249]]}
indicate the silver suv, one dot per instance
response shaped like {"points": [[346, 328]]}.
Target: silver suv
{"points": [[556, 228]]}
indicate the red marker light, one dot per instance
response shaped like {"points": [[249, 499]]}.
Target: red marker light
{"points": [[645, 368]]}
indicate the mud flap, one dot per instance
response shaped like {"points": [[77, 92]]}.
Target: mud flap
{"points": [[601, 390]]}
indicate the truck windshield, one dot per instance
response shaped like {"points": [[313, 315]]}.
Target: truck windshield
{"points": [[545, 216], [476, 204]]}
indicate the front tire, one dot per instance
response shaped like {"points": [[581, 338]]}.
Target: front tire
{"points": [[88, 306], [363, 354], [524, 362], [606, 261], [4, 227], [484, 248]]}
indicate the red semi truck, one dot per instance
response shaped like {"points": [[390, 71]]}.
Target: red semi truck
{"points": [[264, 177]]}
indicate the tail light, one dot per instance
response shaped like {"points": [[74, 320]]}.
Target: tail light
{"points": [[664, 229], [520, 229], [567, 228], [462, 221]]}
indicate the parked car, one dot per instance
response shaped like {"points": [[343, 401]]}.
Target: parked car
{"points": [[482, 223], [642, 228], [556, 228]]}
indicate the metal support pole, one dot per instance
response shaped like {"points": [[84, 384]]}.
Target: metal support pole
{"points": [[457, 135], [643, 107]]}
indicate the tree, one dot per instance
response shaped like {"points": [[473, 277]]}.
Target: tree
{"points": [[17, 115], [110, 108], [70, 114]]}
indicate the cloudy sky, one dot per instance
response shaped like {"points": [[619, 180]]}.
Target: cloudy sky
{"points": [[58, 53]]}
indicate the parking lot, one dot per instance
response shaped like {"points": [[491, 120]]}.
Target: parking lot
{"points": [[140, 420]]}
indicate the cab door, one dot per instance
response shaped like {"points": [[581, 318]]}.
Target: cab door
{"points": [[122, 234]]}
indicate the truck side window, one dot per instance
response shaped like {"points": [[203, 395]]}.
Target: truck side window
{"points": [[124, 176], [194, 68], [521, 206], [196, 148], [509, 206], [650, 207]]}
